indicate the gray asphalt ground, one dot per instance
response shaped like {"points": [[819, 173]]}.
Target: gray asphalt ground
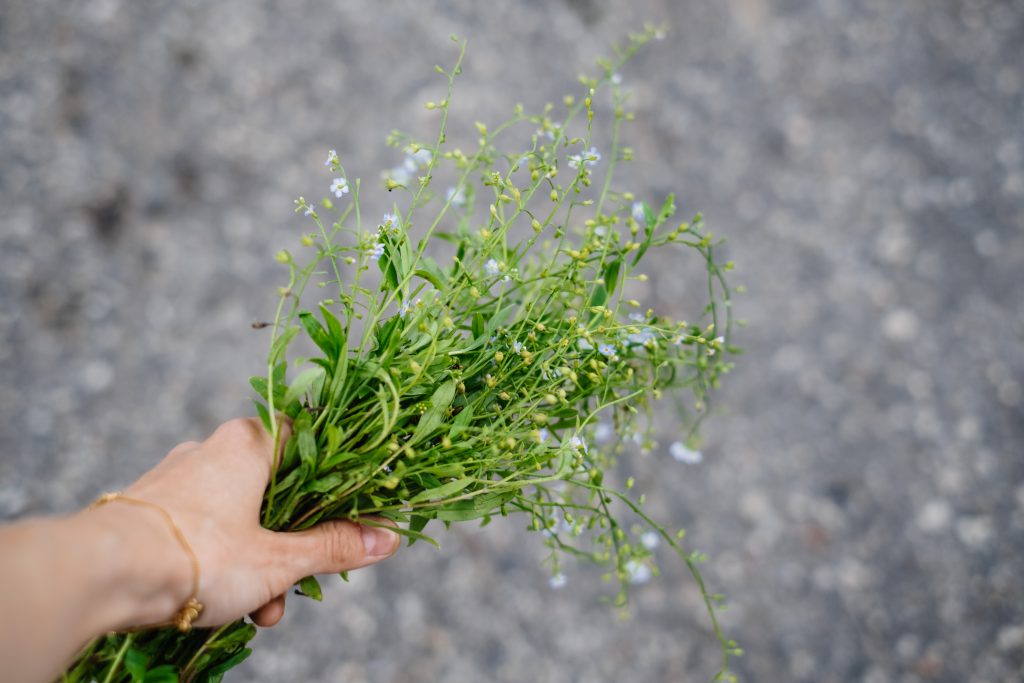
{"points": [[862, 496]]}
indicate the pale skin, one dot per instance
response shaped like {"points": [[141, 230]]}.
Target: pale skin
{"points": [[66, 580]]}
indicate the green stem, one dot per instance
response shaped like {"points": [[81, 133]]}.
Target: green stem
{"points": [[116, 664]]}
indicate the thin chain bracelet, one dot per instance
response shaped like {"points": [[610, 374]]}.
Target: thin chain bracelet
{"points": [[192, 608]]}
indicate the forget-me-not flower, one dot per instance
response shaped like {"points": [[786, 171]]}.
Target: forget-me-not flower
{"points": [[588, 158], [492, 267], [339, 187], [376, 251], [332, 158], [639, 215], [687, 456]]}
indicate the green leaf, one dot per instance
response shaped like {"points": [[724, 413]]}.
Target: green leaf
{"points": [[310, 587], [302, 428], [281, 343], [442, 492], [478, 326], [301, 384], [162, 674], [461, 421], [334, 328], [263, 413], [611, 275], [431, 420], [599, 296], [431, 278], [135, 662], [230, 663], [318, 334], [259, 384]]}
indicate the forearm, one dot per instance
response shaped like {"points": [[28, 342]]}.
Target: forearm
{"points": [[76, 577]]}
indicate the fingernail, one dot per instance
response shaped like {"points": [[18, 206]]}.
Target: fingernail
{"points": [[378, 541]]}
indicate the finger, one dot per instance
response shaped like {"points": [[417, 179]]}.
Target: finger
{"points": [[336, 546], [269, 614], [245, 435]]}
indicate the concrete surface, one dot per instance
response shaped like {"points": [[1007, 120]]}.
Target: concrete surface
{"points": [[862, 498]]}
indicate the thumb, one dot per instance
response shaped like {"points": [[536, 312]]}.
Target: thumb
{"points": [[338, 546]]}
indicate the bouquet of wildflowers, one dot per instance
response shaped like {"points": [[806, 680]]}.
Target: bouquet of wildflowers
{"points": [[493, 382]]}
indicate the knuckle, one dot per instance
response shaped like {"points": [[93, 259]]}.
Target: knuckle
{"points": [[244, 431], [341, 544]]}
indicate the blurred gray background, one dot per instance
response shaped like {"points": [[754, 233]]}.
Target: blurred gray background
{"points": [[862, 496]]}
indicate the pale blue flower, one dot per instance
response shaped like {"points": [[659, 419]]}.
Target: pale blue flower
{"points": [[616, 79], [650, 539], [517, 346], [406, 306], [399, 175], [606, 350], [457, 196], [639, 215], [687, 456], [642, 337], [309, 210], [543, 434], [332, 158], [417, 160], [339, 187], [588, 158], [637, 317], [579, 443], [584, 345], [638, 572], [492, 267], [376, 251], [557, 581]]}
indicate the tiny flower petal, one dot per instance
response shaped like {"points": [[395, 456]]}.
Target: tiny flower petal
{"points": [[557, 581], [339, 187], [681, 453]]}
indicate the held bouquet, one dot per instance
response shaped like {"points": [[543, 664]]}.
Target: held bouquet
{"points": [[484, 384]]}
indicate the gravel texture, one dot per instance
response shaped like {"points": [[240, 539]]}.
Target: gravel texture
{"points": [[862, 495]]}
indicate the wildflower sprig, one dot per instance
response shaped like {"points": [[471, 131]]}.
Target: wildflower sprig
{"points": [[503, 380]]}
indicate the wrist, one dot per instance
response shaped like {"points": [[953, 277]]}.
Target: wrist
{"points": [[141, 574]]}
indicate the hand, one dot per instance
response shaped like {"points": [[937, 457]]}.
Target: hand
{"points": [[213, 491]]}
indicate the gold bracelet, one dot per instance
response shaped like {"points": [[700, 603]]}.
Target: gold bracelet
{"points": [[191, 610]]}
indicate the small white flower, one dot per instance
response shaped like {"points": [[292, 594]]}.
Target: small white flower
{"points": [[457, 196], [557, 581], [637, 317], [332, 158], [543, 434], [638, 572], [719, 340], [579, 444], [309, 210], [639, 215], [603, 432], [517, 346], [390, 218], [588, 158], [606, 350], [406, 305], [339, 187], [419, 159], [376, 251], [616, 79], [584, 345], [681, 453], [492, 267], [400, 175], [642, 337], [650, 539]]}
